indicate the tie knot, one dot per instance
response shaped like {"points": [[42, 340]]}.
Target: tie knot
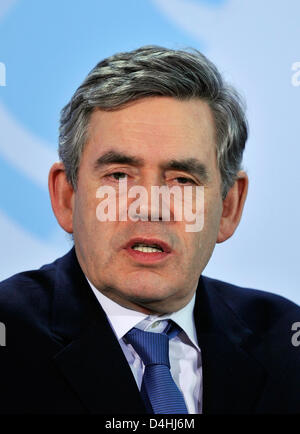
{"points": [[153, 348]]}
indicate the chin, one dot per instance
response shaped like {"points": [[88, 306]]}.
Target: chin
{"points": [[148, 292], [144, 279]]}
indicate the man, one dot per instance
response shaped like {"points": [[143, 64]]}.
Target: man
{"points": [[126, 322]]}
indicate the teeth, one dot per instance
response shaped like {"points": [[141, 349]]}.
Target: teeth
{"points": [[146, 249]]}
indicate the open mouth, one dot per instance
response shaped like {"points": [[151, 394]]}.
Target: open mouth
{"points": [[147, 250]]}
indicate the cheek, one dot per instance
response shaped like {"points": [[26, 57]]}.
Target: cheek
{"points": [[203, 242], [213, 212], [84, 216], [208, 236]]}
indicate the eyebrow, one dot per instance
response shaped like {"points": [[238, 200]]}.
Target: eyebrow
{"points": [[112, 157], [192, 166], [189, 165]]}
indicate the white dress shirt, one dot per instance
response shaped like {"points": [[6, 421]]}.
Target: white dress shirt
{"points": [[184, 352]]}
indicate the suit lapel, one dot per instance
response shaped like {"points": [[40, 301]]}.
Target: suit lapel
{"points": [[97, 370], [91, 359], [233, 380]]}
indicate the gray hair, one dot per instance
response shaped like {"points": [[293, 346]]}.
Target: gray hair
{"points": [[156, 71]]}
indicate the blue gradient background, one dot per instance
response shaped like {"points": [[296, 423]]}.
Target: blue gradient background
{"points": [[48, 47]]}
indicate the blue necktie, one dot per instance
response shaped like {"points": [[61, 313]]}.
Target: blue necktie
{"points": [[158, 390]]}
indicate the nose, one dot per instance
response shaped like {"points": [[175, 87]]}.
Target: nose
{"points": [[148, 204]]}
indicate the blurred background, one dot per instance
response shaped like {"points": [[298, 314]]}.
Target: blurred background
{"points": [[48, 47]]}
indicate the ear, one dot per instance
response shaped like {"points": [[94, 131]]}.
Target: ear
{"points": [[233, 206], [61, 194]]}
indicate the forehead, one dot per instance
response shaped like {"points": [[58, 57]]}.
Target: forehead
{"points": [[165, 125]]}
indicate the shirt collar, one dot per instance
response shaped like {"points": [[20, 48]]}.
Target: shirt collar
{"points": [[123, 319]]}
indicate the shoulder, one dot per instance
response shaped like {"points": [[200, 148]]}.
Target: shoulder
{"points": [[21, 284], [37, 301], [240, 294], [263, 328], [27, 296], [257, 308]]}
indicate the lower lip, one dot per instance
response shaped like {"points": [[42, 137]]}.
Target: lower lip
{"points": [[147, 257]]}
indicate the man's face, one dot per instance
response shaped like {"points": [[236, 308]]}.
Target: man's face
{"points": [[146, 144]]}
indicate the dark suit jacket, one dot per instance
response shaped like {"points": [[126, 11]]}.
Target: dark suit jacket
{"points": [[61, 355]]}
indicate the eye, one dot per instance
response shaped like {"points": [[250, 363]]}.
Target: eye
{"points": [[184, 180], [118, 175]]}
